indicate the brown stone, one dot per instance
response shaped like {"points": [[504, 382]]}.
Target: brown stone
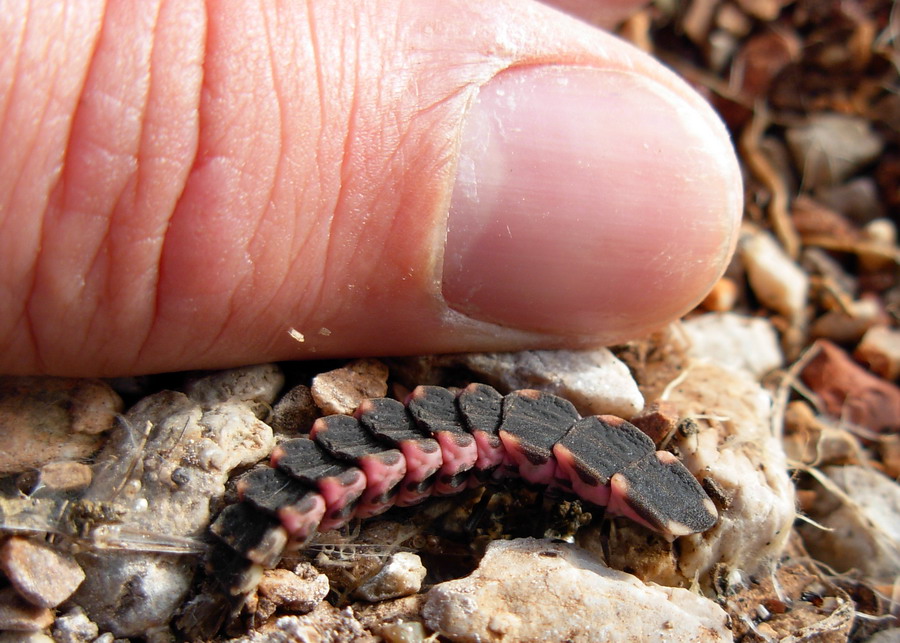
{"points": [[295, 412], [43, 419], [19, 616], [851, 393], [342, 390], [41, 575], [658, 420]]}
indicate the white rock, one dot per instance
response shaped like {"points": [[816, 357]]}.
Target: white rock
{"points": [[401, 576], [735, 342], [74, 627], [252, 385], [342, 390], [880, 348], [595, 381], [540, 590], [778, 282], [864, 518], [734, 447]]}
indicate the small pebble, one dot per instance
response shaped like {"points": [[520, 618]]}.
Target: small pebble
{"points": [[295, 412], [342, 390], [736, 342], [19, 616], [41, 575], [722, 297], [409, 632], [778, 282], [401, 576], [658, 420], [75, 627], [297, 591], [256, 386], [880, 349], [850, 326]]}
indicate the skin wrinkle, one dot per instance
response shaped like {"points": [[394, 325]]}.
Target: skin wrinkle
{"points": [[100, 283], [15, 60], [56, 190], [22, 317], [157, 240], [225, 143], [145, 345], [318, 292], [332, 238], [278, 176]]}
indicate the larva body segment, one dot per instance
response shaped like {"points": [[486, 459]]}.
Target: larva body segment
{"points": [[438, 444]]}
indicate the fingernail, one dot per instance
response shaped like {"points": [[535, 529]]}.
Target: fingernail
{"points": [[587, 202]]}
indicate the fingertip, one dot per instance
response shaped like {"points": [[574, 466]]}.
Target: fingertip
{"points": [[589, 202]]}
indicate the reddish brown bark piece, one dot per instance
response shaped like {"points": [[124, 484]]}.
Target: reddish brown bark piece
{"points": [[850, 392]]}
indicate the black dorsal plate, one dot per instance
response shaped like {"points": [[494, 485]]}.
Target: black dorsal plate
{"points": [[481, 408], [602, 445], [537, 421]]}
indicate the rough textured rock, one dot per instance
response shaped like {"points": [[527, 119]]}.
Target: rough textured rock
{"points": [[341, 390], [880, 349], [256, 386], [851, 393], [540, 590], [41, 575], [159, 474], [18, 616], [325, 624], [298, 591], [778, 282], [735, 342], [862, 510], [295, 412], [595, 381], [75, 627], [401, 576], [43, 419]]}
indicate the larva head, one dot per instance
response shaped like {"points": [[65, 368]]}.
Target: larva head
{"points": [[659, 492]]}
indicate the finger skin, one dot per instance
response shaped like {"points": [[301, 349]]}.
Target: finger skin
{"points": [[187, 181]]}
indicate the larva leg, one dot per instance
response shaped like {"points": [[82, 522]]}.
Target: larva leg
{"points": [[343, 437], [340, 484], [532, 423], [388, 421], [481, 409], [434, 410]]}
